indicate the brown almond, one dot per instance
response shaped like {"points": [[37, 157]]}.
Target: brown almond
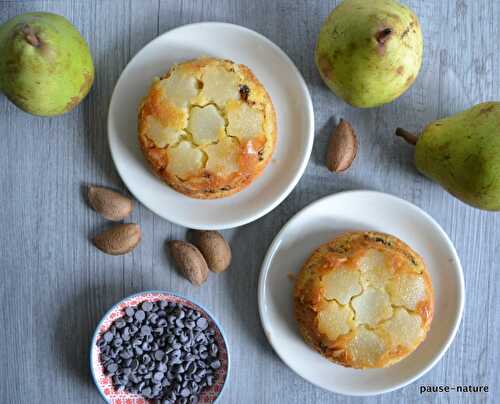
{"points": [[110, 204], [342, 148], [119, 239], [189, 260], [214, 248]]}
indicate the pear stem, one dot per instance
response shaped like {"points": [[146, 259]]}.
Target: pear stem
{"points": [[33, 40], [383, 35], [30, 36], [411, 138]]}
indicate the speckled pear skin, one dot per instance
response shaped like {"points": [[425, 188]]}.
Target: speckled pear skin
{"points": [[369, 52], [45, 65], [462, 153]]}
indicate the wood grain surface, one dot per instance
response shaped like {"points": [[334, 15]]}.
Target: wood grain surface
{"points": [[55, 285]]}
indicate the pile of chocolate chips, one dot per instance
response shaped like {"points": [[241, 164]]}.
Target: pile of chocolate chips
{"points": [[161, 350]]}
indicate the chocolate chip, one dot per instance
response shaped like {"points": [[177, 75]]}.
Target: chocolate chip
{"points": [[128, 354], [160, 350], [117, 342], [158, 331], [120, 323], [158, 376], [202, 323], [244, 92], [112, 368], [145, 330], [139, 315]]}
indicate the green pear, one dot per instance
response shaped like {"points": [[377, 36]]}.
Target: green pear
{"points": [[45, 64], [369, 52], [462, 153]]}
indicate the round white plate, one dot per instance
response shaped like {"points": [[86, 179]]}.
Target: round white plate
{"points": [[290, 97], [322, 221]]}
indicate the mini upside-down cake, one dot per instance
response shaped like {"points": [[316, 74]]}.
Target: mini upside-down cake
{"points": [[364, 300], [207, 127]]}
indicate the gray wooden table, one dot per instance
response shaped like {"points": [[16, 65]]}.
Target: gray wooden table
{"points": [[55, 285]]}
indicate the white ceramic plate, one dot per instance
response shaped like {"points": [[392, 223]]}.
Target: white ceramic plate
{"points": [[293, 108], [321, 222]]}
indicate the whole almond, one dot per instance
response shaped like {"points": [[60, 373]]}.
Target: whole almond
{"points": [[342, 148], [110, 204], [214, 248], [119, 239], [189, 260]]}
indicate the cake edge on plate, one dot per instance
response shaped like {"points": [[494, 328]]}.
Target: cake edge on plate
{"points": [[249, 155], [337, 322]]}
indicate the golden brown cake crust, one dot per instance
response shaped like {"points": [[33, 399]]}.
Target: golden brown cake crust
{"points": [[215, 159], [364, 300]]}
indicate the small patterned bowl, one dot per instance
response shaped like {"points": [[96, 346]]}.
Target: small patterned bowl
{"points": [[104, 383]]}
